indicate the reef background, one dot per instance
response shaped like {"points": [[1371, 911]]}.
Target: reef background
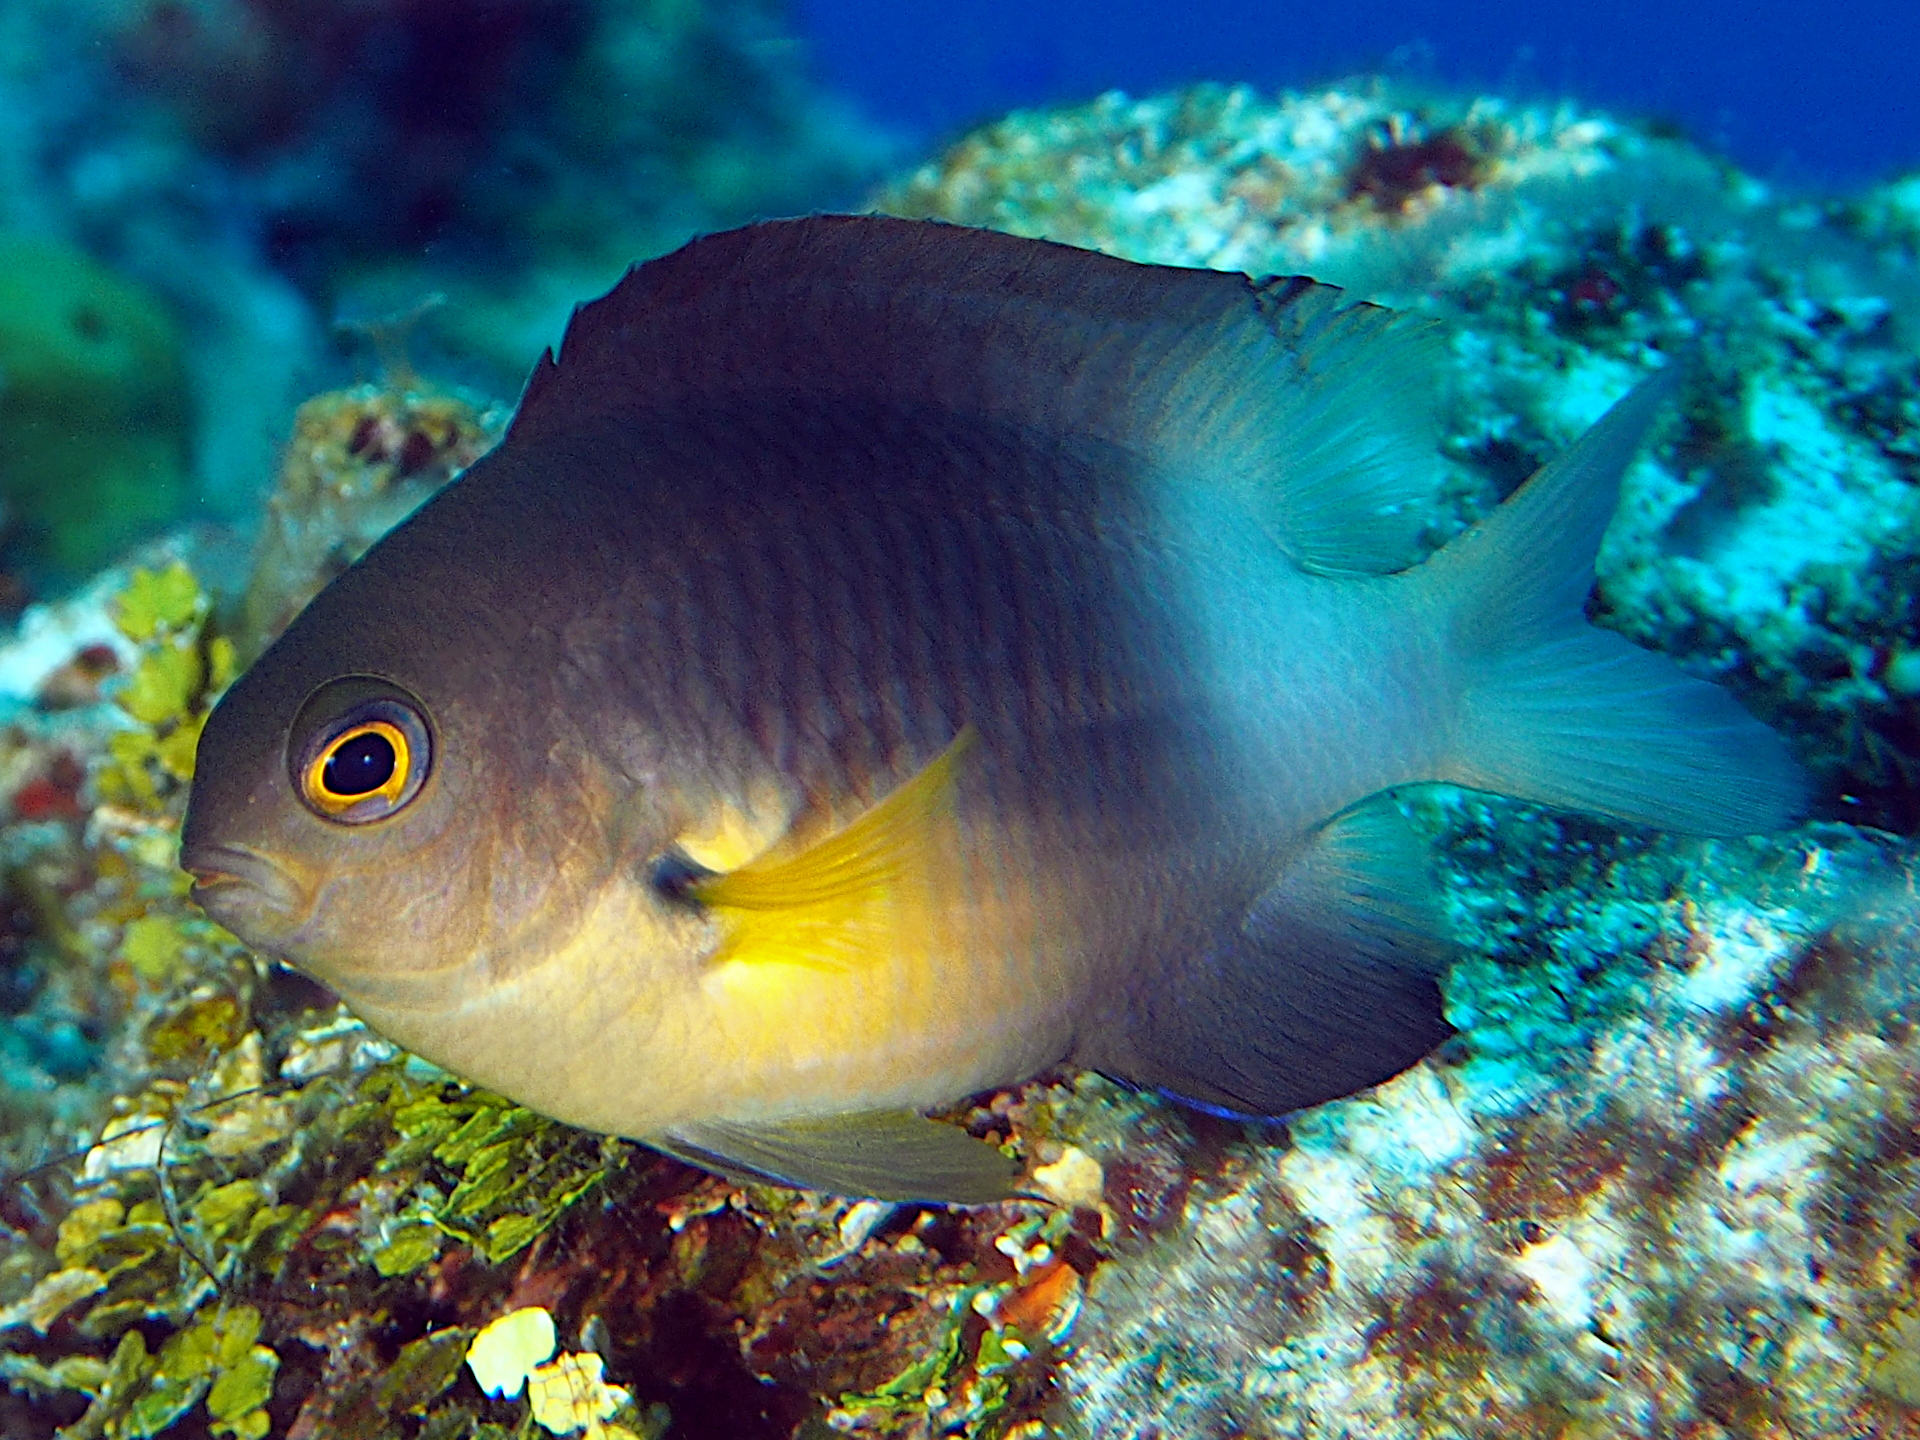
{"points": [[1824, 103], [1665, 1182]]}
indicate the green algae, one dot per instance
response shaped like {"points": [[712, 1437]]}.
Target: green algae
{"points": [[94, 414], [188, 1213], [924, 1384], [512, 1173], [182, 667], [182, 1236], [964, 1385]]}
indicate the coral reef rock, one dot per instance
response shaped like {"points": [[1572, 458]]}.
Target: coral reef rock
{"points": [[1663, 1180], [359, 461]]}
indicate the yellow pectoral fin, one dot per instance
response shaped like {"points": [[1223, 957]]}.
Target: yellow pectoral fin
{"points": [[857, 897]]}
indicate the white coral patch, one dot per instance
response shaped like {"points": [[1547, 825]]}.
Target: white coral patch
{"points": [[50, 635], [1837, 502], [1591, 387], [1409, 1127], [1739, 958], [1670, 1076], [1759, 1160], [1758, 1219], [1358, 1162], [1358, 1235], [1563, 1275]]}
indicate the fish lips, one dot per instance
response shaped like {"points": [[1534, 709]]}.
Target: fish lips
{"points": [[254, 896]]}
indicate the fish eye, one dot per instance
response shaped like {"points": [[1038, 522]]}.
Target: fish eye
{"points": [[361, 750]]}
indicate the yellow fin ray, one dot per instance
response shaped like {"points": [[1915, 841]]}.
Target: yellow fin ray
{"points": [[845, 900]]}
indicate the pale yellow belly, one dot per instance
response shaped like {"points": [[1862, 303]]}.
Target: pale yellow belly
{"points": [[605, 1035]]}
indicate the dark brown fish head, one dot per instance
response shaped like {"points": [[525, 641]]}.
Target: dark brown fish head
{"points": [[394, 790]]}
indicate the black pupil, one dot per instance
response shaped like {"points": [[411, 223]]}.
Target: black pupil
{"points": [[359, 766]]}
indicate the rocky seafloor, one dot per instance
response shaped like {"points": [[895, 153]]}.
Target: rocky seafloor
{"points": [[1664, 1182]]}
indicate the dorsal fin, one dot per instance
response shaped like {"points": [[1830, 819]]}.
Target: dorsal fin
{"points": [[1357, 431], [1276, 390]]}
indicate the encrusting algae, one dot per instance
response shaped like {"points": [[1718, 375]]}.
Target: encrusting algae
{"points": [[358, 461]]}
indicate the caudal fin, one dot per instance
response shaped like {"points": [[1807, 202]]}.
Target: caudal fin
{"points": [[1558, 711]]}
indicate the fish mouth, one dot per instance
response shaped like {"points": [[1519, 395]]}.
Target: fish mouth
{"points": [[249, 893]]}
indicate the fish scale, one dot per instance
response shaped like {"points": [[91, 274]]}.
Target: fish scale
{"points": [[958, 637]]}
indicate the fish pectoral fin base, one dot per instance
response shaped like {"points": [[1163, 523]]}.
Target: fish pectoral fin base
{"points": [[1327, 987], [847, 900], [875, 1155]]}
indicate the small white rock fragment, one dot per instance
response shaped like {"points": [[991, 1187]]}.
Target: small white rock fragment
{"points": [[128, 1142], [342, 1046], [861, 1220], [1075, 1180], [571, 1394], [509, 1349]]}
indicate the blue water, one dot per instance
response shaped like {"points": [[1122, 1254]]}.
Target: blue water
{"points": [[1823, 95]]}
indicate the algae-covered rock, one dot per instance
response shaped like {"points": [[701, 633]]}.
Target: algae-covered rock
{"points": [[357, 464], [93, 409], [246, 1214]]}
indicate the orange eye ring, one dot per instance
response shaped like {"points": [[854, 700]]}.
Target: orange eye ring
{"points": [[360, 751], [329, 775]]}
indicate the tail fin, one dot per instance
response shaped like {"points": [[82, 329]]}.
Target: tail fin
{"points": [[1558, 711]]}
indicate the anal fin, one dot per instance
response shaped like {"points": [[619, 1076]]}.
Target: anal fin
{"points": [[1326, 987], [1361, 882], [877, 1155]]}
